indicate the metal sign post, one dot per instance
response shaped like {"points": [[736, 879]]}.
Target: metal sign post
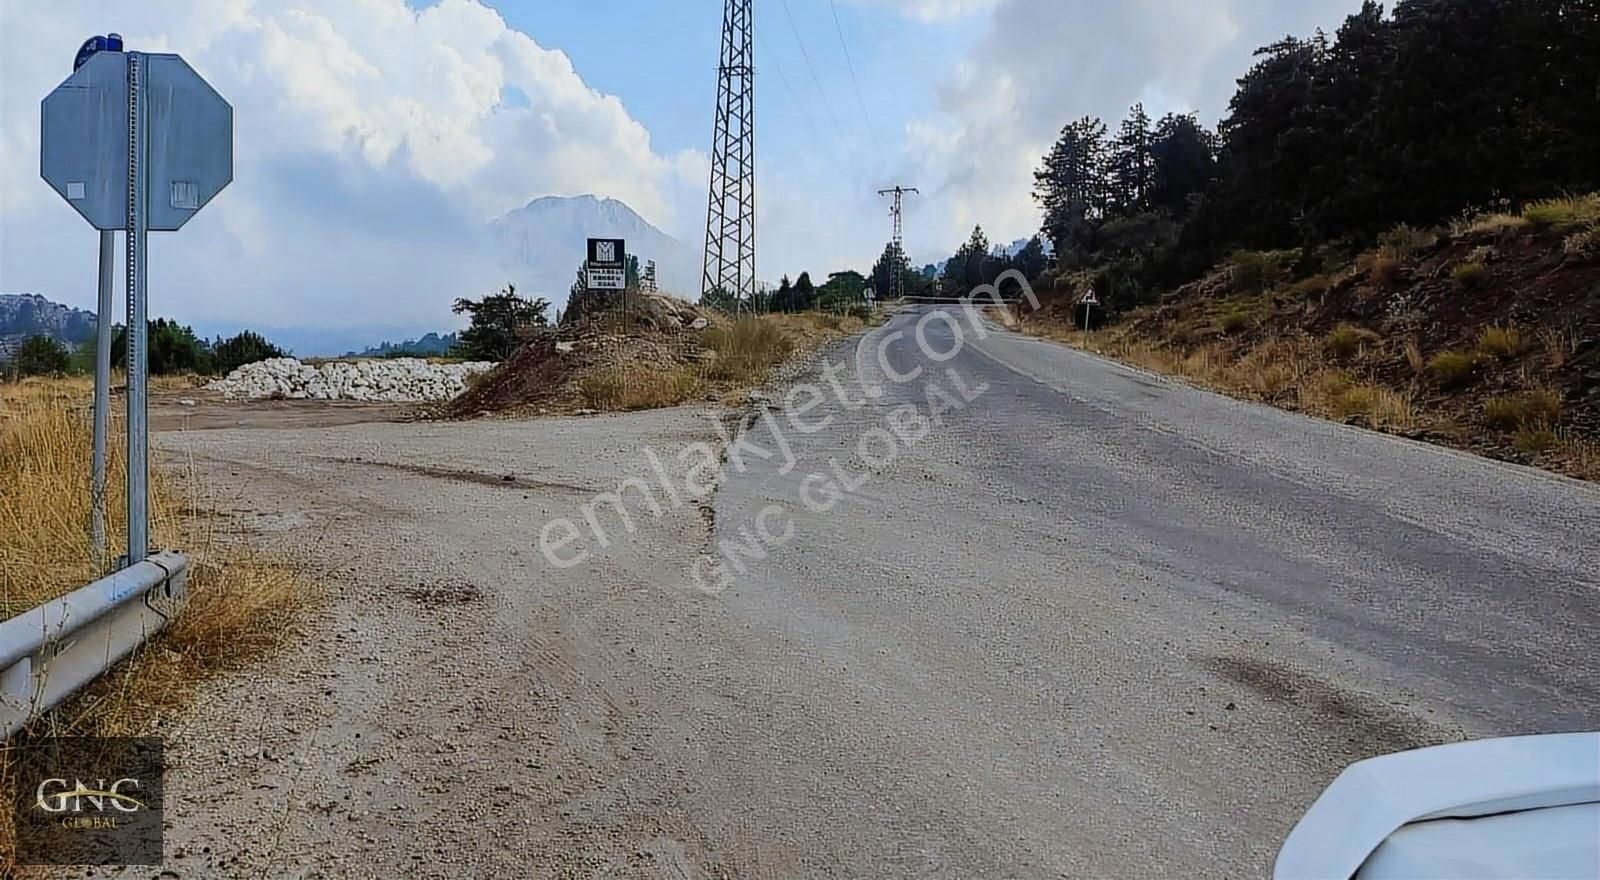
{"points": [[137, 142], [1089, 301]]}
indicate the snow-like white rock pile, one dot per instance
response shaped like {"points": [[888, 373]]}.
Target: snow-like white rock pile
{"points": [[399, 380]]}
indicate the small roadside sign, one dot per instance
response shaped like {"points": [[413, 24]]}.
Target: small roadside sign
{"points": [[608, 264], [1089, 299]]}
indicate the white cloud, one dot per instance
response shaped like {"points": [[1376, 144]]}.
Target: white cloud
{"points": [[1043, 63], [936, 10], [371, 143]]}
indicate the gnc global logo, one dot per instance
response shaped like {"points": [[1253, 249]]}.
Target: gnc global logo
{"points": [[56, 796]]}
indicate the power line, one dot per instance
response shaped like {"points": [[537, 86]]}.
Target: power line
{"points": [[793, 95], [850, 65], [815, 80]]}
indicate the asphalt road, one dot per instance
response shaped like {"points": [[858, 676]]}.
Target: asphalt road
{"points": [[1090, 623]]}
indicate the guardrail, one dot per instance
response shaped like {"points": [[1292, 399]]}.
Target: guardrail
{"points": [[49, 652]]}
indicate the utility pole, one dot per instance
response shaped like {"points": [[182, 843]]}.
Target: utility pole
{"points": [[899, 193], [730, 258]]}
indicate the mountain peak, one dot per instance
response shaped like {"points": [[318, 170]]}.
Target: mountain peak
{"points": [[542, 242]]}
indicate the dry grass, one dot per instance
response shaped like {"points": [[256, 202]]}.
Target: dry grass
{"points": [[1583, 245], [1452, 369], [739, 354], [1490, 224], [1383, 266], [636, 386], [1501, 342], [1414, 358], [1580, 456], [1540, 408], [1469, 275], [1338, 394], [1346, 341], [239, 605], [1569, 212], [1534, 440], [747, 350], [1560, 344], [1236, 322]]}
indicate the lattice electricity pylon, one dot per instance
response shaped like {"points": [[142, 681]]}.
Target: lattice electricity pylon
{"points": [[899, 193], [730, 261]]}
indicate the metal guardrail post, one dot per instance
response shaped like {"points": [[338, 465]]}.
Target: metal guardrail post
{"points": [[48, 653]]}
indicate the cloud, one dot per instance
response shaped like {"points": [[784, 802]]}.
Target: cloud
{"points": [[1043, 63], [935, 10], [372, 142]]}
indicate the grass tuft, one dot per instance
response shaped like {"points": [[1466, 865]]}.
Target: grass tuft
{"points": [[1491, 224], [1501, 342], [1469, 275], [1345, 341], [1452, 369], [1540, 408], [1234, 323], [1534, 440], [1569, 212]]}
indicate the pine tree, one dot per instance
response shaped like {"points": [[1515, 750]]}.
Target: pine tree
{"points": [[1071, 186], [1131, 165]]}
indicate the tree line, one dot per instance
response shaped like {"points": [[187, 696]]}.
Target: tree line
{"points": [[174, 349], [1441, 108]]}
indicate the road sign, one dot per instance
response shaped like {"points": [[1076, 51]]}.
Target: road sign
{"points": [[137, 142], [1090, 299], [190, 142], [83, 151], [608, 264], [83, 140]]}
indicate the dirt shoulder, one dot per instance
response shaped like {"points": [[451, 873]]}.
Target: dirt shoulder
{"points": [[1486, 340]]}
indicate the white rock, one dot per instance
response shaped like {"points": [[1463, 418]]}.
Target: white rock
{"points": [[400, 380]]}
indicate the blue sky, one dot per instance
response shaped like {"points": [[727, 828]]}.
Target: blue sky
{"points": [[375, 139]]}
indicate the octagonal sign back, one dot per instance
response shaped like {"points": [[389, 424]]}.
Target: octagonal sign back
{"points": [[83, 140], [190, 145]]}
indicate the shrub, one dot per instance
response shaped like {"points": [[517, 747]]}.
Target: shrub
{"points": [[1564, 213], [1469, 275], [41, 356], [173, 348], [247, 348], [1257, 271], [1345, 341], [1452, 369], [1501, 342], [1526, 409]]}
